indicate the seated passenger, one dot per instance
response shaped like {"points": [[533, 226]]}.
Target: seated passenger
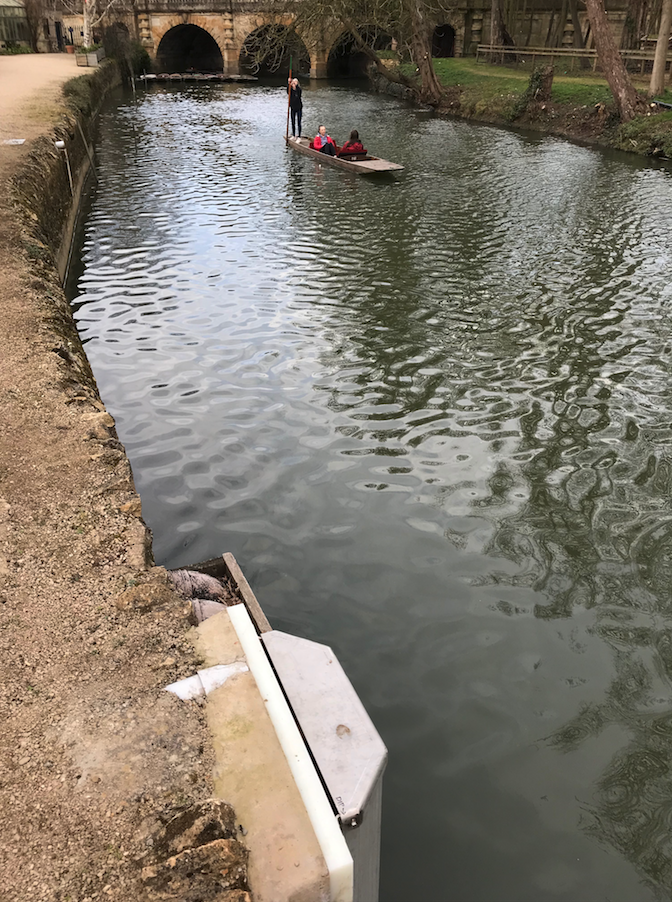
{"points": [[324, 143], [352, 145]]}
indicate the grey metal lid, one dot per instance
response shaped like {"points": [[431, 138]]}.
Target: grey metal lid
{"points": [[346, 746]]}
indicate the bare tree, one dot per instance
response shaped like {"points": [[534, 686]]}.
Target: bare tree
{"points": [[657, 85], [35, 14], [628, 101], [93, 12], [578, 39], [636, 23], [409, 22], [499, 33]]}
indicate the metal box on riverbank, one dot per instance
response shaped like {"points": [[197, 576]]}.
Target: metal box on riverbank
{"points": [[346, 750]]}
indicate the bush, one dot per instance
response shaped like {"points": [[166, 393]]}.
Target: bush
{"points": [[77, 92], [539, 89], [85, 92], [131, 56], [138, 58], [650, 135], [11, 48]]}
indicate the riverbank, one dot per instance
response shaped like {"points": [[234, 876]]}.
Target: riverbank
{"points": [[580, 106], [95, 758]]}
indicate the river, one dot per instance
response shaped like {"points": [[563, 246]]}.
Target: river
{"points": [[431, 416]]}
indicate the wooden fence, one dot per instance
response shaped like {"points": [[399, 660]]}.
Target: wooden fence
{"points": [[501, 53]]}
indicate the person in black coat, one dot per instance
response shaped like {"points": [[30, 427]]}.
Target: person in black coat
{"points": [[295, 104]]}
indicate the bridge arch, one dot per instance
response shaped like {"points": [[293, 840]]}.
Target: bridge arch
{"points": [[267, 50], [443, 41], [346, 60], [185, 46]]}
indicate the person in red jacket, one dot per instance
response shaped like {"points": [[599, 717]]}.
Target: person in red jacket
{"points": [[352, 145], [324, 143]]}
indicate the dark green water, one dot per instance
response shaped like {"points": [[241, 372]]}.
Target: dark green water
{"points": [[431, 417]]}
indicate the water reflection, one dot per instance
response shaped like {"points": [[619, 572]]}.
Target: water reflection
{"points": [[431, 417], [595, 534]]}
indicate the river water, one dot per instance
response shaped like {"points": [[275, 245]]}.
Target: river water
{"points": [[431, 416]]}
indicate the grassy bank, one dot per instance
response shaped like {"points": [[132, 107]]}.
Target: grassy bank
{"points": [[581, 105]]}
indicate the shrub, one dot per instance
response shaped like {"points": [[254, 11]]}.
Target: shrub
{"points": [[85, 92], [11, 48], [77, 92], [130, 55], [138, 58], [651, 135]]}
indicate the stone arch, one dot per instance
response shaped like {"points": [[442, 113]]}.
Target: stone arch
{"points": [[267, 50], [443, 41], [186, 46], [346, 60]]}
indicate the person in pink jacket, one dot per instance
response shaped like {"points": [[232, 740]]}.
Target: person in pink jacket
{"points": [[324, 143]]}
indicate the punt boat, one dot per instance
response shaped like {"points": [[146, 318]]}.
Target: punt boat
{"points": [[360, 163]]}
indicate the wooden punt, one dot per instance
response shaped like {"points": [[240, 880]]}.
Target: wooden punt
{"points": [[362, 164]]}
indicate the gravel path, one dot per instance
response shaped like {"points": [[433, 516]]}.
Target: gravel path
{"points": [[91, 749], [30, 91]]}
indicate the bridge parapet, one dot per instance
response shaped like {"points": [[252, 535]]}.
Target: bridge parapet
{"points": [[214, 7]]}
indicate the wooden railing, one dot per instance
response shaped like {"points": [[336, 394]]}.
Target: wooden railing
{"points": [[502, 53]]}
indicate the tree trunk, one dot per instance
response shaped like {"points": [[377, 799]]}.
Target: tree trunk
{"points": [[86, 27], [499, 33], [635, 25], [628, 101], [390, 74], [545, 86], [560, 25], [531, 24], [657, 85], [496, 22], [578, 40], [431, 91]]}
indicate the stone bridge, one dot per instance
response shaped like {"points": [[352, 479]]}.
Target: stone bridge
{"points": [[219, 35], [214, 35]]}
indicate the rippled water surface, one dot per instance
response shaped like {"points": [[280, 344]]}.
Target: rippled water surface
{"points": [[431, 416]]}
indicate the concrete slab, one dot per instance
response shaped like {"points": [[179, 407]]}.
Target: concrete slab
{"points": [[252, 774]]}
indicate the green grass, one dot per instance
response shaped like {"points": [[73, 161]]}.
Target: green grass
{"points": [[489, 91], [650, 135], [580, 90], [483, 81], [666, 96], [488, 80], [469, 74]]}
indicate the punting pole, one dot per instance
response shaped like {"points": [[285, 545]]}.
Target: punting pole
{"points": [[289, 98]]}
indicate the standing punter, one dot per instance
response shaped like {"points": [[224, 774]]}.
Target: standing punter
{"points": [[295, 104]]}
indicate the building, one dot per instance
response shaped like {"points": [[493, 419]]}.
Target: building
{"points": [[14, 28]]}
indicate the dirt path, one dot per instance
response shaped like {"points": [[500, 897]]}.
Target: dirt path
{"points": [[30, 94], [90, 747]]}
